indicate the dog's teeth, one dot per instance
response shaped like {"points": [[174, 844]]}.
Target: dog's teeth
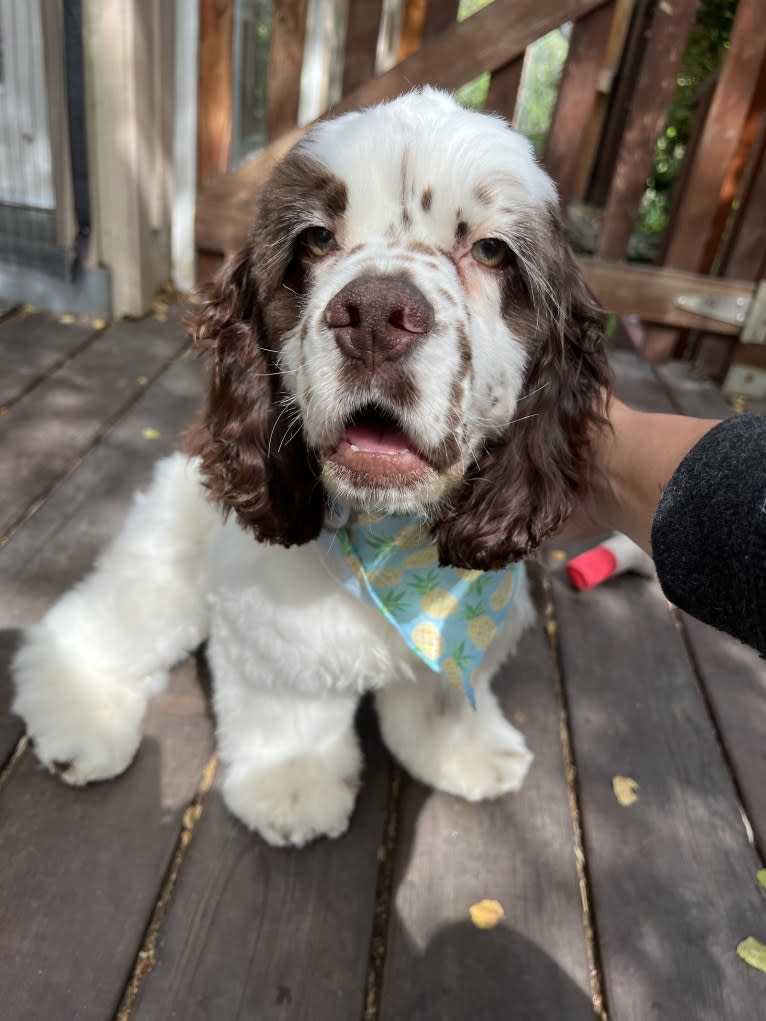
{"points": [[355, 448]]}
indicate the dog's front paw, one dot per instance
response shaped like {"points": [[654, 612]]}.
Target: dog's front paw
{"points": [[298, 799], [483, 765], [84, 725]]}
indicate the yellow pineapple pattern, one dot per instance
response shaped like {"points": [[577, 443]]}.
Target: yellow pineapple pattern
{"points": [[503, 592], [412, 536], [387, 577], [427, 639], [452, 673], [435, 601], [439, 604], [481, 628], [367, 519], [423, 558]]}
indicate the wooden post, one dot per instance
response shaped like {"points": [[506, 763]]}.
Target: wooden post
{"points": [[53, 33], [671, 26], [504, 88], [288, 34], [216, 87], [576, 98], [440, 15], [361, 43], [127, 124]]}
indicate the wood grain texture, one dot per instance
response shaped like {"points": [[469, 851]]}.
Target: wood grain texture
{"points": [[58, 544], [690, 394], [504, 89], [44, 434], [32, 346], [518, 850], [288, 32], [81, 869], [270, 933], [484, 42], [440, 15], [576, 98], [215, 99], [361, 42], [650, 292], [672, 875], [725, 122], [661, 59], [734, 679]]}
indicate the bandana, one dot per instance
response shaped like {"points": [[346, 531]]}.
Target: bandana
{"points": [[447, 615]]}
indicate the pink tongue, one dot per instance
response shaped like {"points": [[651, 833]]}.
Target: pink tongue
{"points": [[378, 439]]}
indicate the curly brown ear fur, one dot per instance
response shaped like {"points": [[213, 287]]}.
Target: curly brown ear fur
{"points": [[249, 462], [527, 481]]}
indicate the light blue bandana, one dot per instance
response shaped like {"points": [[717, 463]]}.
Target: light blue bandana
{"points": [[447, 615]]}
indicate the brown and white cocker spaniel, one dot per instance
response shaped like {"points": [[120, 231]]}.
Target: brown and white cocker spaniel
{"points": [[405, 336]]}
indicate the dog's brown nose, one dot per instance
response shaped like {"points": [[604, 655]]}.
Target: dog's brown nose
{"points": [[378, 319]]}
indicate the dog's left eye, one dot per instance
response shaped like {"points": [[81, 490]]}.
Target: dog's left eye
{"points": [[319, 241], [491, 252]]}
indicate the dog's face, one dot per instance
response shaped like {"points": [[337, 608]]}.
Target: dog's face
{"points": [[407, 326]]}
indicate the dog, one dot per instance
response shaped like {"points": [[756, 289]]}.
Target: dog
{"points": [[406, 343]]}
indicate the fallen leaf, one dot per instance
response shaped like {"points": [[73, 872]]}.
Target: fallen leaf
{"points": [[625, 788], [761, 877], [486, 914], [67, 319], [753, 952], [150, 434], [98, 324], [142, 380]]}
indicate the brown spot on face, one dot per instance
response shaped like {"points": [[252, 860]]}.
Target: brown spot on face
{"points": [[464, 348], [421, 247], [461, 231], [426, 199], [392, 232], [406, 218], [483, 194]]}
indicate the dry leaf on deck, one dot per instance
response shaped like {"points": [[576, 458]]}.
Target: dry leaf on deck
{"points": [[753, 952], [625, 788], [761, 877], [150, 434], [486, 914]]}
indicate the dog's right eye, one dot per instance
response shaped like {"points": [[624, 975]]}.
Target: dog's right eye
{"points": [[319, 241]]}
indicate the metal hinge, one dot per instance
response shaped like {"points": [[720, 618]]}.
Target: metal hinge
{"points": [[749, 313]]}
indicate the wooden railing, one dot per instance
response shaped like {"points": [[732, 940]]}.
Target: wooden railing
{"points": [[617, 83]]}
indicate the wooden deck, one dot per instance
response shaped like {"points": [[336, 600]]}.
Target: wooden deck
{"points": [[144, 898]]}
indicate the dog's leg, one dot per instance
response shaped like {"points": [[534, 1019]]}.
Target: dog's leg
{"points": [[83, 675], [436, 735], [292, 761]]}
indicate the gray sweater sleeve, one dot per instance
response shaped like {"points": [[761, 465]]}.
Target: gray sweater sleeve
{"points": [[709, 532]]}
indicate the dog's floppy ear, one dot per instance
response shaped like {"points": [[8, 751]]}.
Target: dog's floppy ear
{"points": [[527, 482], [249, 462]]}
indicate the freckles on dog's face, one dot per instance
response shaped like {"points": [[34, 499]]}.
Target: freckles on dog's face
{"points": [[412, 318], [406, 329]]}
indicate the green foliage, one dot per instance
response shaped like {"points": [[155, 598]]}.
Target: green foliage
{"points": [[543, 65]]}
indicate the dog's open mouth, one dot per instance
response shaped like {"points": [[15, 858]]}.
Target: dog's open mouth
{"points": [[376, 445]]}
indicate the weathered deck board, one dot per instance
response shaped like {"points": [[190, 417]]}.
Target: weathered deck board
{"points": [[690, 394], [33, 345], [47, 430], [58, 544], [734, 678], [261, 932], [518, 850], [82, 868], [636, 383], [672, 875]]}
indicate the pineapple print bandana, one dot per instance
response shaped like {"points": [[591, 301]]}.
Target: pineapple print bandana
{"points": [[447, 616]]}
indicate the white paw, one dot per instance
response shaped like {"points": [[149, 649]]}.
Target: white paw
{"points": [[443, 742], [85, 725], [484, 765], [305, 797]]}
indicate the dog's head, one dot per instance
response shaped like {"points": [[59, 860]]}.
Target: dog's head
{"points": [[406, 329]]}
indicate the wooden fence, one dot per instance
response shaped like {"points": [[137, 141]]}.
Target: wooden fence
{"points": [[615, 89]]}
